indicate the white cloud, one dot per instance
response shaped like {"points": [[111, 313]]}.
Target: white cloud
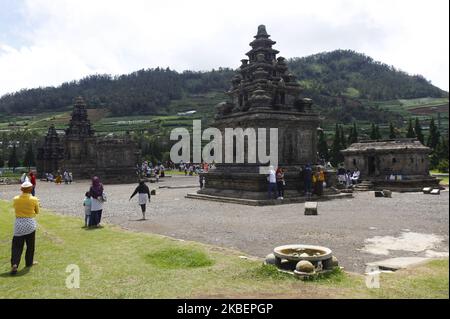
{"points": [[69, 39]]}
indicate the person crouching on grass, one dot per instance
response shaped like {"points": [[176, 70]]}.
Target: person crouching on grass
{"points": [[26, 208], [144, 193], [87, 208]]}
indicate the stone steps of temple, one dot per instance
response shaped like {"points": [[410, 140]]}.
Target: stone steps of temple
{"points": [[364, 186]]}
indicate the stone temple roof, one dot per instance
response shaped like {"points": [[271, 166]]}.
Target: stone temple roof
{"points": [[406, 144]]}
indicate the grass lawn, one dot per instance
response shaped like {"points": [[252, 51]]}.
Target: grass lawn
{"points": [[116, 263], [444, 181]]}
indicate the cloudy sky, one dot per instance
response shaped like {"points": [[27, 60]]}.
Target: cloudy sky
{"points": [[47, 42]]}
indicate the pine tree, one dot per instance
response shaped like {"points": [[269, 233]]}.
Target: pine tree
{"points": [[392, 134], [442, 149], [433, 138], [418, 131], [322, 146], [335, 152], [355, 133], [353, 137], [29, 159], [442, 155], [343, 138], [410, 133], [13, 161], [375, 132]]}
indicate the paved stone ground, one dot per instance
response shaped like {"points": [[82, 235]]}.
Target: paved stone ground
{"points": [[342, 225]]}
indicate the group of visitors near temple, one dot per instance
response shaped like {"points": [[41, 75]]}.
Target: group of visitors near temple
{"points": [[59, 177], [348, 178], [313, 181], [146, 169], [194, 169]]}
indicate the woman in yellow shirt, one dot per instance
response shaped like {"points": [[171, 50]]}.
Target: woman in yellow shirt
{"points": [[26, 208]]}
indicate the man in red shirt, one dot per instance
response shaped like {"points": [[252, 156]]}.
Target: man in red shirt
{"points": [[33, 181]]}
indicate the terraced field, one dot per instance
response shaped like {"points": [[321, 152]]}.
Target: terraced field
{"points": [[204, 105]]}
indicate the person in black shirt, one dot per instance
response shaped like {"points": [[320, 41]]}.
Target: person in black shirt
{"points": [[143, 194]]}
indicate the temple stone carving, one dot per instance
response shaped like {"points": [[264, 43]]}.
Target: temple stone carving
{"points": [[87, 155], [264, 94]]}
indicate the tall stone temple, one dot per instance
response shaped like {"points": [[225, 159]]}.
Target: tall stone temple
{"points": [[264, 94], [86, 155]]}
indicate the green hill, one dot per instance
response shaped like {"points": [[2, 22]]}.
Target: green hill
{"points": [[346, 86]]}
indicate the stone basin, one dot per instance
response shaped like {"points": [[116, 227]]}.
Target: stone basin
{"points": [[303, 252]]}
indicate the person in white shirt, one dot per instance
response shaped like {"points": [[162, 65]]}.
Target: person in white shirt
{"points": [[355, 176], [272, 179]]}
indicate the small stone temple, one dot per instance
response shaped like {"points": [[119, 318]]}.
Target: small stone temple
{"points": [[86, 155], [264, 94], [400, 164]]}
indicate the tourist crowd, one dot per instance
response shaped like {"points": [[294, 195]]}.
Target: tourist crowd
{"points": [[314, 181]]}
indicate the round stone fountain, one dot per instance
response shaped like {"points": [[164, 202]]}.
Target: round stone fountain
{"points": [[302, 260]]}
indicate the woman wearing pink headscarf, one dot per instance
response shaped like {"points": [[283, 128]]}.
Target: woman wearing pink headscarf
{"points": [[97, 200]]}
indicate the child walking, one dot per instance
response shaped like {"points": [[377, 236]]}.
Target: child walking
{"points": [[87, 208]]}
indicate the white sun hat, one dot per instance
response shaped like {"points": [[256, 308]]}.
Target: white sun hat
{"points": [[26, 184]]}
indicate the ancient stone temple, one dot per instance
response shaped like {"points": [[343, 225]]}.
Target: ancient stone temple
{"points": [[264, 94], [86, 155], [51, 155], [399, 165]]}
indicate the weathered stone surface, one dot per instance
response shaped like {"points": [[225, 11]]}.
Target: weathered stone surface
{"points": [[387, 193], [399, 263], [304, 266], [311, 208], [270, 259], [334, 261]]}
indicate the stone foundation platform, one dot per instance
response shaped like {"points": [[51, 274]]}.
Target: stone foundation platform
{"points": [[266, 202]]}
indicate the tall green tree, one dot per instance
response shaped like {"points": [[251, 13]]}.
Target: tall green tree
{"points": [[433, 138], [392, 133], [372, 134], [353, 136], [13, 161], [335, 152], [322, 146], [29, 159], [418, 131], [343, 138], [375, 132], [410, 133]]}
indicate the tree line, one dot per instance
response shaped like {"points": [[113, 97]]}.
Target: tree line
{"points": [[139, 93]]}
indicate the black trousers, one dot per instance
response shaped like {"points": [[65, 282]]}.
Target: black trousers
{"points": [[17, 248], [280, 187], [96, 217]]}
